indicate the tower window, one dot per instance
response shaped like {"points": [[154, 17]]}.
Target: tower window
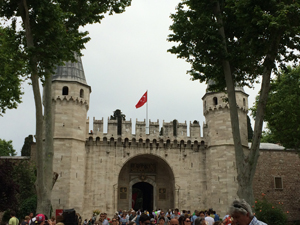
{"points": [[215, 101], [244, 102], [81, 93], [65, 90]]}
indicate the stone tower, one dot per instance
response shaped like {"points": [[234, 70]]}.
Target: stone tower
{"points": [[220, 157], [70, 97]]}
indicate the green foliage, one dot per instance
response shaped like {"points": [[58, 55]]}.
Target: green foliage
{"points": [[283, 109], [17, 190], [268, 137], [118, 114], [11, 69], [253, 30], [6, 217], [6, 148], [269, 213], [27, 205], [9, 187], [24, 175], [119, 117], [26, 149], [48, 36]]}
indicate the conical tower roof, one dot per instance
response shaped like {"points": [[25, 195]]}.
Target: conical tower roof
{"points": [[71, 71]]}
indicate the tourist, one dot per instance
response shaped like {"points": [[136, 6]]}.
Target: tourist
{"points": [[209, 219], [124, 220], [166, 219], [132, 223], [174, 222], [152, 221], [26, 221], [216, 216], [200, 221], [161, 220], [132, 215], [40, 219], [115, 221], [144, 219], [181, 219], [13, 220], [53, 220], [187, 221], [103, 219], [218, 223], [176, 214], [195, 216], [242, 214], [202, 214]]}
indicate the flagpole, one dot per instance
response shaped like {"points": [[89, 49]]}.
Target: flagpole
{"points": [[147, 122]]}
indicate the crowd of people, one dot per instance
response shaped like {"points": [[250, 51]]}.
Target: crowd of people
{"points": [[239, 213]]}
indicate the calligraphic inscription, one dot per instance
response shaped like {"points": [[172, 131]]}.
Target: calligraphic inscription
{"points": [[123, 192], [142, 168], [162, 193]]}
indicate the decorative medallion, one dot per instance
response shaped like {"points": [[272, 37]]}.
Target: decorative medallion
{"points": [[143, 177]]}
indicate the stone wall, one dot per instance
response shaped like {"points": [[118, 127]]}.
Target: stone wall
{"points": [[284, 165]]}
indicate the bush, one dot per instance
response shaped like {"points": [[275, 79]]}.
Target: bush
{"points": [[269, 213]]}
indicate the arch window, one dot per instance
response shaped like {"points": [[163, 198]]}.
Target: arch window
{"points": [[244, 102], [215, 101], [81, 94], [65, 90]]}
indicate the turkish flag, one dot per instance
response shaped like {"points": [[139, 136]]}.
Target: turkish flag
{"points": [[134, 196], [142, 101]]}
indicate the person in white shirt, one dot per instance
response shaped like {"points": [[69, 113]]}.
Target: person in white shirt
{"points": [[209, 219]]}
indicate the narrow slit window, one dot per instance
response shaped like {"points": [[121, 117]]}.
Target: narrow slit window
{"points": [[215, 101]]}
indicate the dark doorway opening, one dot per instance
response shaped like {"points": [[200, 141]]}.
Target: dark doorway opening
{"points": [[142, 196]]}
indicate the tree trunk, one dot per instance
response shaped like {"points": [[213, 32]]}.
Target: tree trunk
{"points": [[244, 183], [48, 145], [43, 197]]}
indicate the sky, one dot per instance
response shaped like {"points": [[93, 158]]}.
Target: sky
{"points": [[126, 56]]}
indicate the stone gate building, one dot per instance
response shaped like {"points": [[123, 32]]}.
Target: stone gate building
{"points": [[100, 170]]}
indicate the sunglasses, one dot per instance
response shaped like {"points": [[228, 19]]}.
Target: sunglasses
{"points": [[187, 221]]}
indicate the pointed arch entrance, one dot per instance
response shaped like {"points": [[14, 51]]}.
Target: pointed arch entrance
{"points": [[146, 182]]}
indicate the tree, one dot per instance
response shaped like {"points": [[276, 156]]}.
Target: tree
{"points": [[233, 43], [11, 70], [119, 116], [6, 148], [9, 187], [283, 109], [48, 36], [26, 149]]}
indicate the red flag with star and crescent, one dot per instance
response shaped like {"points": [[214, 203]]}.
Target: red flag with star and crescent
{"points": [[142, 101]]}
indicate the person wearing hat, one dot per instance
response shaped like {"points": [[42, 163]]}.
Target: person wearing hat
{"points": [[41, 219]]}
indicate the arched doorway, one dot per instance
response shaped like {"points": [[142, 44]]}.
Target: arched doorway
{"points": [[148, 182], [142, 196]]}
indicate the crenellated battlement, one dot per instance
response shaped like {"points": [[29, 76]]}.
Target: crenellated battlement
{"points": [[70, 99], [152, 144], [169, 131], [222, 107]]}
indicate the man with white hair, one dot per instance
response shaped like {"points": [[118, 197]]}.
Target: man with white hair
{"points": [[242, 214]]}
